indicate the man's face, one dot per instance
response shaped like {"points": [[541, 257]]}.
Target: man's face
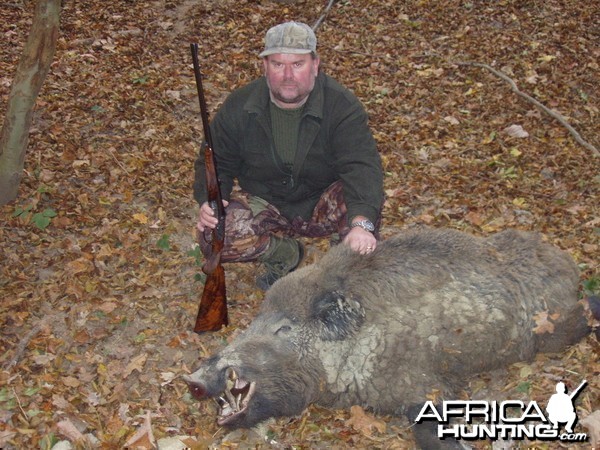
{"points": [[290, 77]]}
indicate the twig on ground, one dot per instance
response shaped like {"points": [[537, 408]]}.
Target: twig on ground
{"points": [[322, 18], [554, 114], [20, 405], [20, 349], [24, 341]]}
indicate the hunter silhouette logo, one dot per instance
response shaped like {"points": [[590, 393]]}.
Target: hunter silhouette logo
{"points": [[560, 406], [510, 419]]}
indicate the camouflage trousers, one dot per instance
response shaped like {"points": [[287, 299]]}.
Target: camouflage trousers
{"points": [[250, 222]]}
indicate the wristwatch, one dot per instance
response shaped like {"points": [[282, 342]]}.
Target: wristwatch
{"points": [[364, 224]]}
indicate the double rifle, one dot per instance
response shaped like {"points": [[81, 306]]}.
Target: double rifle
{"points": [[212, 310]]}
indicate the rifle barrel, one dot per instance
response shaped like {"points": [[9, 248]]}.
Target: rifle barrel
{"points": [[576, 391], [212, 310]]}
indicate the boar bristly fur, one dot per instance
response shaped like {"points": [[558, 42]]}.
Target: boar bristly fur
{"points": [[426, 309]]}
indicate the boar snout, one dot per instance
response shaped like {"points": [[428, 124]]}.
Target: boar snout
{"points": [[233, 400], [197, 389]]}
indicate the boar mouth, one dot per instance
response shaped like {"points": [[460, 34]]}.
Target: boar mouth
{"points": [[234, 401]]}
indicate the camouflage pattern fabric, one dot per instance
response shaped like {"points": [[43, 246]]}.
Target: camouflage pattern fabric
{"points": [[250, 221]]}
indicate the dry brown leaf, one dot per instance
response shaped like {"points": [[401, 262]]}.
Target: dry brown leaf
{"points": [[452, 120], [70, 431], [141, 218], [143, 437], [525, 371], [80, 265], [6, 436], [543, 324], [516, 131], [592, 423], [71, 382], [167, 377], [125, 145], [364, 423], [107, 307], [426, 218], [60, 402], [137, 363], [82, 337], [474, 218]]}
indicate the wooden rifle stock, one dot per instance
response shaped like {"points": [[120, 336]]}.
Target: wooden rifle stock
{"points": [[212, 311]]}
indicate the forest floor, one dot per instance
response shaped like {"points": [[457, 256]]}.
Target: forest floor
{"points": [[98, 269]]}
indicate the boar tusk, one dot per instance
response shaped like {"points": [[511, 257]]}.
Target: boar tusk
{"points": [[249, 395], [230, 397], [231, 374]]}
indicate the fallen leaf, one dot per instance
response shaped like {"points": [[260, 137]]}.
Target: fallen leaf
{"points": [[6, 436], [516, 131], [451, 120], [143, 437], [363, 422], [177, 443], [426, 218], [544, 325], [525, 371], [44, 359], [107, 307], [520, 202], [60, 402], [474, 218], [71, 382], [515, 152], [93, 398], [141, 218], [79, 265], [82, 337], [136, 363], [69, 430], [592, 423], [167, 377], [546, 58]]}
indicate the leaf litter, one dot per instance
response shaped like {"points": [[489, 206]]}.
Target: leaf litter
{"points": [[99, 292]]}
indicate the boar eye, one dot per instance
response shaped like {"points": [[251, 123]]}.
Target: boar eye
{"points": [[283, 329]]}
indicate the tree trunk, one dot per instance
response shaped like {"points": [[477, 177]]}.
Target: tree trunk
{"points": [[29, 78]]}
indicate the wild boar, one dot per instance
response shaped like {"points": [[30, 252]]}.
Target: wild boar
{"points": [[426, 309]]}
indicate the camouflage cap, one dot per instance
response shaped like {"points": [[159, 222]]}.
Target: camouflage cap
{"points": [[290, 37]]}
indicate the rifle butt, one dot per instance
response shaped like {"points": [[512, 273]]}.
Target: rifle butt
{"points": [[212, 312]]}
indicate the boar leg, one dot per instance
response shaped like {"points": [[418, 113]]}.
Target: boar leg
{"points": [[569, 328], [426, 433]]}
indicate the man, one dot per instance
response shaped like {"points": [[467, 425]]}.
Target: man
{"points": [[300, 148]]}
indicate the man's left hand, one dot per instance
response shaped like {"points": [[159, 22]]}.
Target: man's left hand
{"points": [[360, 240]]}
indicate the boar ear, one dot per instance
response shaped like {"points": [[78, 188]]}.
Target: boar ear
{"points": [[337, 317]]}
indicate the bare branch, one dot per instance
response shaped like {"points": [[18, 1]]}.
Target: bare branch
{"points": [[556, 115], [322, 18]]}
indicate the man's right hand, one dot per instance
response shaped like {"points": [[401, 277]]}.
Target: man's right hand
{"points": [[206, 218]]}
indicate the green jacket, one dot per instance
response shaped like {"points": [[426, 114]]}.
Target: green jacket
{"points": [[334, 143]]}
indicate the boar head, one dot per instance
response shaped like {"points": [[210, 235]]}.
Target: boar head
{"points": [[273, 368]]}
